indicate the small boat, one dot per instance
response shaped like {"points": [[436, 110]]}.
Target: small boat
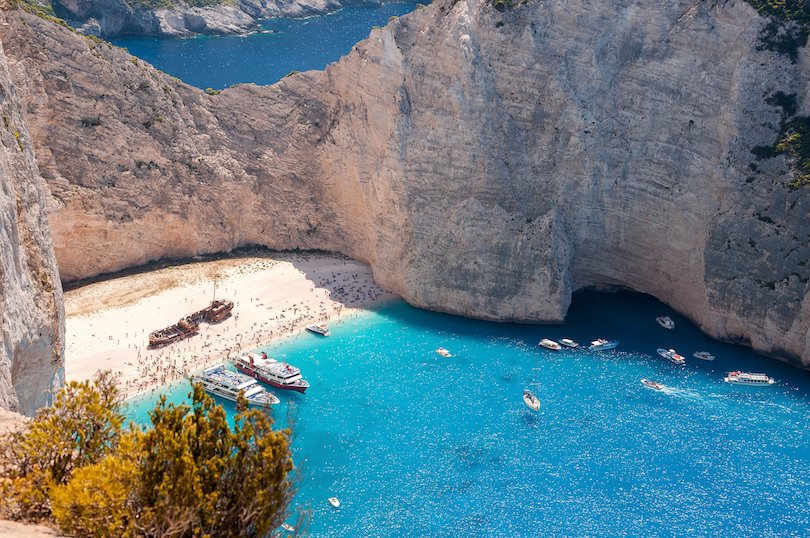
{"points": [[600, 344], [567, 342], [703, 355], [443, 352], [753, 380], [319, 328], [531, 401], [671, 356], [287, 527], [220, 382], [276, 374], [665, 322], [550, 344], [652, 384], [334, 501]]}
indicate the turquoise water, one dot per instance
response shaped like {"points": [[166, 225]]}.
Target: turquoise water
{"points": [[263, 58], [414, 444]]}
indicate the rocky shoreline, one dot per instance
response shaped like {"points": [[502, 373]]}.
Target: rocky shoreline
{"points": [[114, 18]]}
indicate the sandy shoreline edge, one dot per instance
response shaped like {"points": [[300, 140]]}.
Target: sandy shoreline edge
{"points": [[275, 295]]}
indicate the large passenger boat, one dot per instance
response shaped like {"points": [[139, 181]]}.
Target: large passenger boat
{"points": [[753, 380], [671, 356], [220, 382], [277, 374]]}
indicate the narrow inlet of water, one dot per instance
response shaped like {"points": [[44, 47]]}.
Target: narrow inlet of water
{"points": [[284, 45]]}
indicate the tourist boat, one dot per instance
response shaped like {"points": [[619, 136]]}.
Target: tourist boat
{"points": [[319, 328], [600, 344], [665, 322], [567, 342], [753, 380], [276, 374], [703, 355], [220, 382], [531, 401], [443, 352], [652, 384], [334, 501], [550, 344], [287, 527], [671, 356]]}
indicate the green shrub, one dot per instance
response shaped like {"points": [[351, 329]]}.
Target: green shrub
{"points": [[190, 475], [82, 426]]}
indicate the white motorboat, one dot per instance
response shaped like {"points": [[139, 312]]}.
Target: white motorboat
{"points": [[287, 527], [703, 355], [276, 374], [652, 384], [567, 342], [334, 501], [531, 401], [220, 382], [672, 356], [443, 352], [600, 344], [752, 380], [665, 322], [319, 328], [550, 344]]}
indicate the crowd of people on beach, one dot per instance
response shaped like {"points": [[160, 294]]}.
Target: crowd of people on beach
{"points": [[156, 367]]}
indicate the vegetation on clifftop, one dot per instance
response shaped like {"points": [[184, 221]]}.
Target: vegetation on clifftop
{"points": [[789, 27], [793, 138]]}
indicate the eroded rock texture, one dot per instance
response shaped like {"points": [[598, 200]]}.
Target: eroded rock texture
{"points": [[485, 163], [32, 318], [109, 18]]}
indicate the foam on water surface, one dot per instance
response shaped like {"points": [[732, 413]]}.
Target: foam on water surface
{"points": [[415, 444]]}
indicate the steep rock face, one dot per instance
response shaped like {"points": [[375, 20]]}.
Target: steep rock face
{"points": [[32, 318], [485, 163], [110, 18]]}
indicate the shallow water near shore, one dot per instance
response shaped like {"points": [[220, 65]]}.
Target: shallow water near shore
{"points": [[284, 45], [415, 444]]}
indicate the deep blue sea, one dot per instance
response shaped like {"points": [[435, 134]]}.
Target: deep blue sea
{"points": [[263, 58], [415, 444]]}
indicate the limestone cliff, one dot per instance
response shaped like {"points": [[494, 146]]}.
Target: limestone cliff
{"points": [[32, 315], [486, 163], [109, 18]]}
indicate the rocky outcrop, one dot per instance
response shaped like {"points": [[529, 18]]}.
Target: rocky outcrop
{"points": [[32, 317], [486, 163], [110, 18]]}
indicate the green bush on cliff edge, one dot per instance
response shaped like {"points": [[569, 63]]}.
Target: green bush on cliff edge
{"points": [[789, 27]]}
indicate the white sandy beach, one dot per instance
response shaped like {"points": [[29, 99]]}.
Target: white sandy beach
{"points": [[275, 295]]}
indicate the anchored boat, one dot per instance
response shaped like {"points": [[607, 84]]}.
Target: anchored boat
{"points": [[220, 382], [751, 380], [600, 344], [276, 374], [665, 322], [319, 328], [550, 344]]}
